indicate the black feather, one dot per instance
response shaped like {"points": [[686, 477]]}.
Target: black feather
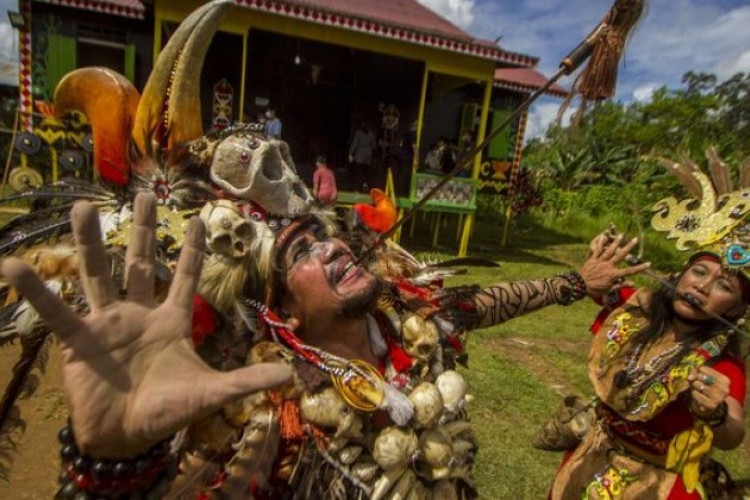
{"points": [[24, 238], [55, 212], [7, 312], [8, 331], [69, 188]]}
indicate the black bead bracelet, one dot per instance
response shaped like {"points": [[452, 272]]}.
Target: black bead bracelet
{"points": [[578, 289], [82, 477]]}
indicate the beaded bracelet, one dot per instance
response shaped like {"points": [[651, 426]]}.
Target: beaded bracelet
{"points": [[577, 289], [145, 476], [718, 416]]}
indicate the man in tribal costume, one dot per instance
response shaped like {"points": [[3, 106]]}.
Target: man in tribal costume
{"points": [[355, 363]]}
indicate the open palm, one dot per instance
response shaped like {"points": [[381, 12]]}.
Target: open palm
{"points": [[131, 374]]}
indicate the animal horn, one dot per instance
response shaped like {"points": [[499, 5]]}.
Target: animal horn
{"points": [[109, 102], [170, 109]]}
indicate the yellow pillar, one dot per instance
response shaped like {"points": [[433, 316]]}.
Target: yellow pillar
{"points": [[463, 248], [55, 166], [420, 121], [244, 73], [482, 126], [438, 216]]}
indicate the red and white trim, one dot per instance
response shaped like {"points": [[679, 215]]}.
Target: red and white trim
{"points": [[468, 46], [516, 165], [528, 89], [25, 93], [123, 8]]}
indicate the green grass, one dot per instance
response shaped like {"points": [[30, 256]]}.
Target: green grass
{"points": [[519, 370]]}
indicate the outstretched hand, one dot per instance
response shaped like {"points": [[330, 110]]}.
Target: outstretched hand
{"points": [[131, 375], [601, 269]]}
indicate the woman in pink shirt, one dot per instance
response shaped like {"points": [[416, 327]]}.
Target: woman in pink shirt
{"points": [[324, 182]]}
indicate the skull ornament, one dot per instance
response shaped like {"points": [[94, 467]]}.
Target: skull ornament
{"points": [[327, 409], [394, 447], [420, 336], [428, 404], [260, 170], [228, 233], [436, 450], [452, 387]]}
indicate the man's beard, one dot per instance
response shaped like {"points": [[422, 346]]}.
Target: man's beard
{"points": [[362, 302]]}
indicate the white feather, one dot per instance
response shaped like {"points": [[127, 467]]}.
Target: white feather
{"points": [[26, 318]]}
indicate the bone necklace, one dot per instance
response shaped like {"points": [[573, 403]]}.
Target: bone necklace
{"points": [[359, 383]]}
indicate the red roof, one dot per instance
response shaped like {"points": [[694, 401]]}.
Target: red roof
{"points": [[525, 80], [396, 12], [125, 8], [405, 20]]}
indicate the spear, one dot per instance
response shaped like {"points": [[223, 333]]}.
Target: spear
{"points": [[605, 42], [693, 301]]}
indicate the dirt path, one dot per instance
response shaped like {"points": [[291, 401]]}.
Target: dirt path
{"points": [[37, 464], [529, 352]]}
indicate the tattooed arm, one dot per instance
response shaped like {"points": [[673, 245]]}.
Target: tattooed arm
{"points": [[504, 301], [599, 273]]}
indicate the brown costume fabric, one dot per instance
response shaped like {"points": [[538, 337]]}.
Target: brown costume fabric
{"points": [[597, 452], [638, 467]]}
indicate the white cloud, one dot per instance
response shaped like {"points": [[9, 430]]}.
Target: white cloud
{"points": [[690, 35], [543, 114], [459, 12], [645, 91], [741, 64], [673, 36]]}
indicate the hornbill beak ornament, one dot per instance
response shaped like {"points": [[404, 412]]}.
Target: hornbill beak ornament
{"points": [[166, 116]]}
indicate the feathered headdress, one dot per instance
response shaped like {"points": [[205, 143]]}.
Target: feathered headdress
{"points": [[715, 221], [244, 186]]}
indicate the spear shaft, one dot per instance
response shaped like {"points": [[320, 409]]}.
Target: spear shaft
{"points": [[569, 64]]}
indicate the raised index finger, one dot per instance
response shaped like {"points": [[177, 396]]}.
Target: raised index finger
{"points": [[53, 311], [189, 266], [93, 261]]}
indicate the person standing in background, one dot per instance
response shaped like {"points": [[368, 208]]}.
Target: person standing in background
{"points": [[324, 182], [273, 125], [360, 155]]}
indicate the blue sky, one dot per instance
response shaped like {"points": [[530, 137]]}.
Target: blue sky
{"points": [[673, 37]]}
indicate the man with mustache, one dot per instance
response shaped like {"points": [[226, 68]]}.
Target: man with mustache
{"points": [[133, 378]]}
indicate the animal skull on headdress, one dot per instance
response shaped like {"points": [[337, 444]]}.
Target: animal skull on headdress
{"points": [[228, 232], [260, 170]]}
